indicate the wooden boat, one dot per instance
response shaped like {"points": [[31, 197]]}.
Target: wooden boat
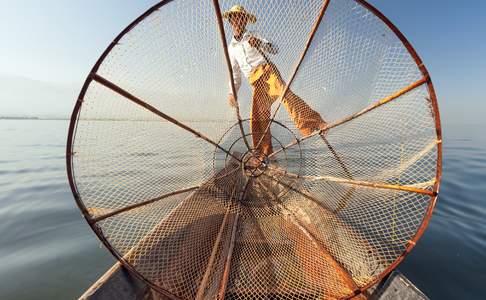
{"points": [[119, 283]]}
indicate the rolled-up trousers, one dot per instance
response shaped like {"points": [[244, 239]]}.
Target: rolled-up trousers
{"points": [[268, 86]]}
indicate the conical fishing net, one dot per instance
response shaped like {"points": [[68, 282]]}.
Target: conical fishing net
{"points": [[315, 184]]}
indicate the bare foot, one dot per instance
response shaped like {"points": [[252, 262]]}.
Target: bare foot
{"points": [[323, 129]]}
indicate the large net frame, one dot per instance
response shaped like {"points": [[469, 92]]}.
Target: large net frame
{"points": [[172, 179]]}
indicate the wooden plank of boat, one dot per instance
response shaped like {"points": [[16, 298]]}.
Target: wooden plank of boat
{"points": [[118, 283]]}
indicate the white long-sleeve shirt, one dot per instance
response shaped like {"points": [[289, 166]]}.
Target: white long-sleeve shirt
{"points": [[244, 58]]}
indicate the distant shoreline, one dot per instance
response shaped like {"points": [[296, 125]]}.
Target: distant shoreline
{"points": [[111, 119], [29, 118]]}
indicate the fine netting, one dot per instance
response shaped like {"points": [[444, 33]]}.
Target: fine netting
{"points": [[315, 186]]}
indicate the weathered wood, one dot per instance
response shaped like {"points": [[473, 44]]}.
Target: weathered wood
{"points": [[116, 283], [397, 287]]}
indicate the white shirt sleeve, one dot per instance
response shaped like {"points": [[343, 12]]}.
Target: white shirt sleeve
{"points": [[269, 47], [266, 45], [236, 75]]}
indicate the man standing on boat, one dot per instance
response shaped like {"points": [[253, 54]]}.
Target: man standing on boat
{"points": [[248, 56]]}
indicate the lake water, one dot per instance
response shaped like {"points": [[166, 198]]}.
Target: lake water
{"points": [[47, 250]]}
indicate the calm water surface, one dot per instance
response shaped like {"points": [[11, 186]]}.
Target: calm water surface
{"points": [[47, 250]]}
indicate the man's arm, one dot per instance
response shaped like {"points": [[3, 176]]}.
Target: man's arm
{"points": [[262, 44]]}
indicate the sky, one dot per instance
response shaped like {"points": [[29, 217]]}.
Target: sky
{"points": [[48, 47]]}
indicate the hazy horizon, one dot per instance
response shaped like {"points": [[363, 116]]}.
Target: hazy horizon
{"points": [[45, 61]]}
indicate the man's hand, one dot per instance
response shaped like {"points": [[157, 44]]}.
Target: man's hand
{"points": [[254, 42], [232, 101], [265, 46]]}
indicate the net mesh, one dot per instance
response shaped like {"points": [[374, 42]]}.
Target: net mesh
{"points": [[315, 187]]}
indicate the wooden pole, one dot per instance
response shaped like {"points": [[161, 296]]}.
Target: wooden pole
{"points": [[136, 205], [230, 69], [357, 114]]}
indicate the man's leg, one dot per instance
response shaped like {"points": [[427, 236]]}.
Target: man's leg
{"points": [[304, 117], [260, 117]]}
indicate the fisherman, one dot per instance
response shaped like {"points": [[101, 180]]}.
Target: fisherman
{"points": [[248, 55]]}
